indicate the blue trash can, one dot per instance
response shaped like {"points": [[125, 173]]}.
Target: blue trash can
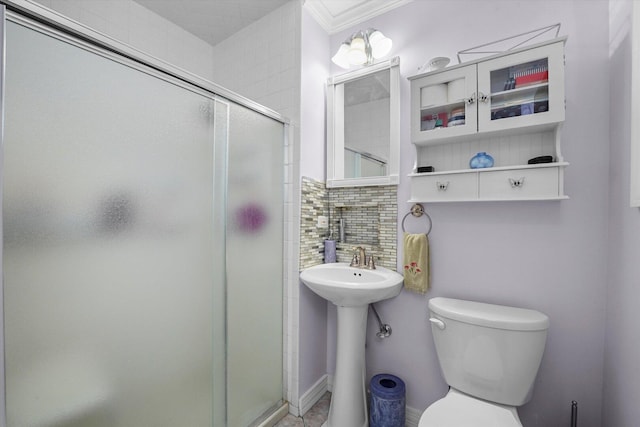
{"points": [[387, 403]]}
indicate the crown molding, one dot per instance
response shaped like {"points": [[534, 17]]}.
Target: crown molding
{"points": [[359, 11]]}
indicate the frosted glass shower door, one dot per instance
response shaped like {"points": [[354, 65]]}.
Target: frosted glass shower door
{"points": [[113, 216], [254, 265]]}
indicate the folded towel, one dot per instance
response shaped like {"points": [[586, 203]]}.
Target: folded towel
{"points": [[416, 263]]}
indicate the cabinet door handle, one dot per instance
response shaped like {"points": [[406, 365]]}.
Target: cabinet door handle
{"points": [[482, 97], [516, 183], [442, 186], [471, 99]]}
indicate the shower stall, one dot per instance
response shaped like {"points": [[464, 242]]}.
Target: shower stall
{"points": [[142, 256]]}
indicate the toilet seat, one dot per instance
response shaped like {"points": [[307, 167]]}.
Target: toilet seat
{"points": [[457, 409]]}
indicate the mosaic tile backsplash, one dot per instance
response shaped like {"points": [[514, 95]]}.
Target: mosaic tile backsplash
{"points": [[370, 215], [313, 203]]}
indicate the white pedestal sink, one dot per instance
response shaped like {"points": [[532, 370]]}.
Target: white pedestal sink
{"points": [[351, 290]]}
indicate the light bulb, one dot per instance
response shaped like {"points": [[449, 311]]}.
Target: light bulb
{"points": [[380, 45], [357, 54], [341, 56]]}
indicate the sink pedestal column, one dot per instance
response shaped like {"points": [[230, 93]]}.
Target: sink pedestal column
{"points": [[349, 398]]}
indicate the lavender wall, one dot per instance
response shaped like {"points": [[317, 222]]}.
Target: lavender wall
{"points": [[550, 256], [312, 308], [622, 351], [314, 73]]}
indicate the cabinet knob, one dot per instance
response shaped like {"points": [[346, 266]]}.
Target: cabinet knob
{"points": [[516, 183], [482, 97], [442, 186], [471, 99]]}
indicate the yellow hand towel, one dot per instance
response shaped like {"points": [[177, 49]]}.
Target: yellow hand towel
{"points": [[416, 263]]}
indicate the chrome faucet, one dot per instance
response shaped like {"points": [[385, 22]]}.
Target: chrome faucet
{"points": [[360, 260], [358, 257], [362, 256]]}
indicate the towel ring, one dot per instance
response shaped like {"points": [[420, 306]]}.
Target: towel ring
{"points": [[417, 210]]}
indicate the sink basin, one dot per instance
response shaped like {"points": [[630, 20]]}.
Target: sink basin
{"points": [[352, 290], [350, 286]]}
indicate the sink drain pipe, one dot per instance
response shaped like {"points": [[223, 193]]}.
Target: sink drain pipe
{"points": [[574, 413], [385, 330]]}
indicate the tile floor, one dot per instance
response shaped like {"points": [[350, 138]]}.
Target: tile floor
{"points": [[313, 418]]}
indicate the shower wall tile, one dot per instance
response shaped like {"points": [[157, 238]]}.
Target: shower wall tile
{"points": [[94, 20], [69, 8], [262, 61], [128, 22]]}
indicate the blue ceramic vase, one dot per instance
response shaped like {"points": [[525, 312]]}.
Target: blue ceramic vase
{"points": [[481, 160]]}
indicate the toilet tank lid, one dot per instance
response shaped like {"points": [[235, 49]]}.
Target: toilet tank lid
{"points": [[489, 315]]}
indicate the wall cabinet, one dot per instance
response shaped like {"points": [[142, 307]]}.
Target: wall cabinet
{"points": [[509, 105]]}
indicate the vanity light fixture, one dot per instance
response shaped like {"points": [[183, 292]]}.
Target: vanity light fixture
{"points": [[362, 48]]}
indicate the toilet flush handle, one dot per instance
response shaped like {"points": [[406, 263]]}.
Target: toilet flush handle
{"points": [[439, 323]]}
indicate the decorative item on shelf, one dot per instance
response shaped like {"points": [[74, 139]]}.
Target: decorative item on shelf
{"points": [[456, 117], [362, 48], [434, 121], [437, 63], [481, 160], [533, 76], [502, 113], [540, 159], [442, 120], [527, 108], [428, 122], [424, 169], [509, 43]]}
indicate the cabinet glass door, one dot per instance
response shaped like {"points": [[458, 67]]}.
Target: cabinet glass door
{"points": [[444, 104], [522, 89]]}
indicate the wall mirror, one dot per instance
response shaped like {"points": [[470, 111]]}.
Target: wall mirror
{"points": [[363, 126]]}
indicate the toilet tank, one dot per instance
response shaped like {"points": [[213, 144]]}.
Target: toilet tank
{"points": [[489, 351]]}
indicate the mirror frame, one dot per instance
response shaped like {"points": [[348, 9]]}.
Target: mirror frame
{"points": [[335, 127], [634, 193]]}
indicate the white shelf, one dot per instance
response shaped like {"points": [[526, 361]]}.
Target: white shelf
{"points": [[520, 89], [498, 168], [512, 199], [442, 107]]}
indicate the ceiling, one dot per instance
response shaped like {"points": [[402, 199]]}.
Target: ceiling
{"points": [[212, 20], [215, 20], [338, 15]]}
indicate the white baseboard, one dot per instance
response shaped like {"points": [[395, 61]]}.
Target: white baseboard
{"points": [[311, 396], [276, 416]]}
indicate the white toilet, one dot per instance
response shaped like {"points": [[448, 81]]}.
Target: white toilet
{"points": [[489, 355]]}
